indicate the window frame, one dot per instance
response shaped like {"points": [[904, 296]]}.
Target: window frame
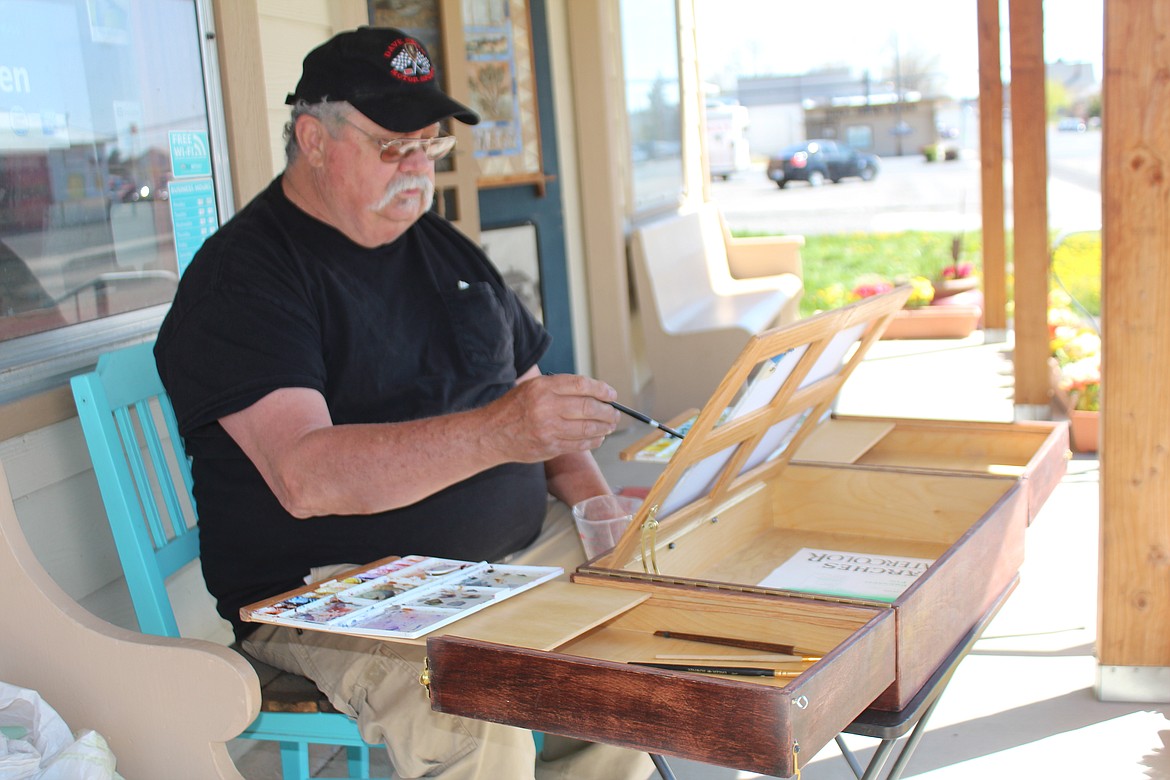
{"points": [[43, 361]]}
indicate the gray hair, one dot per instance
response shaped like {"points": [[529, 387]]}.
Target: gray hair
{"points": [[332, 114]]}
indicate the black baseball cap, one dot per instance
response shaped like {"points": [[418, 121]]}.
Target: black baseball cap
{"points": [[384, 73]]}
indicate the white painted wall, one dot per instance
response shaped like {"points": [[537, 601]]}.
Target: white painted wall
{"points": [[60, 509]]}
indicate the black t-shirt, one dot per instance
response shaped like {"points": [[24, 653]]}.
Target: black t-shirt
{"points": [[419, 327]]}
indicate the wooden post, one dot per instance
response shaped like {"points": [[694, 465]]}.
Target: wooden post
{"points": [[1030, 207], [991, 169], [237, 41], [595, 51], [1133, 643]]}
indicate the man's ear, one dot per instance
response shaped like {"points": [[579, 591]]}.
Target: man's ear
{"points": [[311, 138]]}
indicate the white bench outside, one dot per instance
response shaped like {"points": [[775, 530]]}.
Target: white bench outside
{"points": [[702, 294]]}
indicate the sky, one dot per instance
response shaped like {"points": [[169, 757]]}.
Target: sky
{"points": [[785, 37]]}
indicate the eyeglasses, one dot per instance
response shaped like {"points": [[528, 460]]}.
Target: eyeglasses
{"points": [[397, 149]]}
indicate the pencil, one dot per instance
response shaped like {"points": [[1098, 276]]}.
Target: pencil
{"points": [[738, 671]]}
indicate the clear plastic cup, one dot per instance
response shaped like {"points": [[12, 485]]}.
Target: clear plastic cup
{"points": [[602, 520]]}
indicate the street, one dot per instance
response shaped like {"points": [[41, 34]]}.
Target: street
{"points": [[911, 194]]}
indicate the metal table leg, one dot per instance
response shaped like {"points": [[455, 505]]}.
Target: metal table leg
{"points": [[891, 726], [847, 754], [911, 743], [664, 770]]}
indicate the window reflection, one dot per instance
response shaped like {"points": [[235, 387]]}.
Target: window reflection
{"points": [[650, 59], [105, 171]]}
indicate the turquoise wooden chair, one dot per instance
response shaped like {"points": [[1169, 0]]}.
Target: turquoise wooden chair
{"points": [[145, 481]]}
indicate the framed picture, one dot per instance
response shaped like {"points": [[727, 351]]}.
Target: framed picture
{"points": [[502, 79], [514, 251], [420, 18]]}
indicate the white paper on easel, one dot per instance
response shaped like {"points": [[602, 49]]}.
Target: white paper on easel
{"points": [[847, 574]]}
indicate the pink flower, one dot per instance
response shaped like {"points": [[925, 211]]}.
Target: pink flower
{"points": [[871, 289], [958, 271]]}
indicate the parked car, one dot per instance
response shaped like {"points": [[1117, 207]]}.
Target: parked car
{"points": [[1071, 124], [817, 160]]}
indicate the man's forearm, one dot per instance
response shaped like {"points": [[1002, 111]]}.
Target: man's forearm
{"points": [[362, 469], [575, 477]]}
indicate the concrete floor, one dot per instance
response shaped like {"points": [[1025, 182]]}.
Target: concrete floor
{"points": [[1022, 704]]}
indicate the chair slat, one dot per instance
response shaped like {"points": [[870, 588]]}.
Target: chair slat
{"points": [[132, 448], [161, 469], [167, 409]]}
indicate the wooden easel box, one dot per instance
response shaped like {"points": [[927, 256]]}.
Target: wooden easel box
{"points": [[556, 659]]}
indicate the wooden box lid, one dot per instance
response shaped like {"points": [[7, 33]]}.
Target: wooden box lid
{"points": [[771, 400]]}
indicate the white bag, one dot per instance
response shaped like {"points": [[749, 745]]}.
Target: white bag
{"points": [[35, 743]]}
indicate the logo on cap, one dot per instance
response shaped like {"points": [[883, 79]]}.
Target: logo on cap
{"points": [[408, 61]]}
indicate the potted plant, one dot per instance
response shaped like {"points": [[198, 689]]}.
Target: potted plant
{"points": [[955, 278], [919, 319], [1076, 371]]}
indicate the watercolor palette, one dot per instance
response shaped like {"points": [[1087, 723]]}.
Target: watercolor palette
{"points": [[402, 598]]}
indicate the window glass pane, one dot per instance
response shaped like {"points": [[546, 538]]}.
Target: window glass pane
{"points": [[651, 60], [105, 168], [859, 137]]}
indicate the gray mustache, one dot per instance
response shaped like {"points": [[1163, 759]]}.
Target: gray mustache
{"points": [[408, 182]]}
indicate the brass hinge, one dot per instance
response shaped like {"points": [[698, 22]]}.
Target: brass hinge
{"points": [[649, 538], [424, 677]]}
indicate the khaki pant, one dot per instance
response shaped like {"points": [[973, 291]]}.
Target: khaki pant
{"points": [[377, 683]]}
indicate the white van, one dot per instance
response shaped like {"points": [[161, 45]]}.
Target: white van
{"points": [[727, 142]]}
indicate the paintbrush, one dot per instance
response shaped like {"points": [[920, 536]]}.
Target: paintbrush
{"points": [[772, 658], [741, 671], [640, 416], [747, 644]]}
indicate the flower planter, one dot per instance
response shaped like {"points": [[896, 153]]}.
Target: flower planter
{"points": [[1083, 427], [945, 288], [934, 322], [1084, 430]]}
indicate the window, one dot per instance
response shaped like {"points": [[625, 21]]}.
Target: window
{"points": [[650, 58], [859, 136], [107, 177]]}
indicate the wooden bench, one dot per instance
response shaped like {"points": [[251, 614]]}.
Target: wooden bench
{"points": [[701, 294], [166, 706]]}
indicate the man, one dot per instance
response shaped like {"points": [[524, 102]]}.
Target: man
{"points": [[353, 380]]}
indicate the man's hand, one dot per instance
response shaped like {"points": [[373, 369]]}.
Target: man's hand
{"points": [[546, 416]]}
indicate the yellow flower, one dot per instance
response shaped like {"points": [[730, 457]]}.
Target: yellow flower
{"points": [[921, 293]]}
